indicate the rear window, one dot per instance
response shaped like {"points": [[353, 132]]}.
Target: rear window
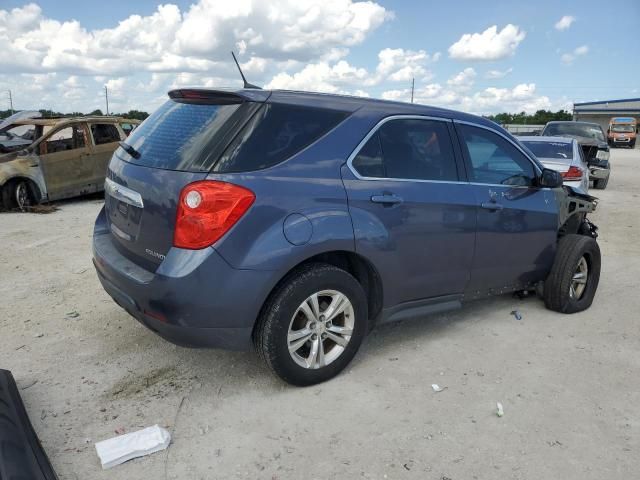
{"points": [[574, 129], [557, 150], [275, 133], [176, 136]]}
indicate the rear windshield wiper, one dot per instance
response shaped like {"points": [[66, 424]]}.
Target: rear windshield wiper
{"points": [[129, 149]]}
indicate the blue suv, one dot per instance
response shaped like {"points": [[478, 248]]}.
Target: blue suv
{"points": [[297, 221]]}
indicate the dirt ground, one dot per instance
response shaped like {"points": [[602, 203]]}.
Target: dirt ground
{"points": [[569, 384]]}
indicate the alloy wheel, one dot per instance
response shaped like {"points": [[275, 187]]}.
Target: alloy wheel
{"points": [[579, 279], [320, 329], [22, 195]]}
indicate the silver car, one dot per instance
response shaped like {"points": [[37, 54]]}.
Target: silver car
{"points": [[562, 154]]}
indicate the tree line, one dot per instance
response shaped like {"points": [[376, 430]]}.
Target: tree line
{"points": [[131, 114], [541, 117]]}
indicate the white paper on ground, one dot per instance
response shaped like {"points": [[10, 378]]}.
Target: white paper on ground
{"points": [[125, 447]]}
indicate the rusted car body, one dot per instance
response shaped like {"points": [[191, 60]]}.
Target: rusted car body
{"points": [[55, 158]]}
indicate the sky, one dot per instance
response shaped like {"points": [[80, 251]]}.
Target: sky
{"points": [[479, 57]]}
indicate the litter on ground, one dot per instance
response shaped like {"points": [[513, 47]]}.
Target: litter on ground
{"points": [[132, 445]]}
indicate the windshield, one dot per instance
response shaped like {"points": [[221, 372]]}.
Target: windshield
{"points": [[559, 150], [575, 129], [623, 128], [19, 132]]}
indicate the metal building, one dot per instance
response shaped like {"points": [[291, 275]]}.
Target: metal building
{"points": [[602, 112]]}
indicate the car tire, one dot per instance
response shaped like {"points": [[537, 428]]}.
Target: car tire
{"points": [[17, 194], [601, 183], [573, 280], [291, 318]]}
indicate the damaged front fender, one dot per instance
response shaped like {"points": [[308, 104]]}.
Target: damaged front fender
{"points": [[573, 207], [14, 165]]}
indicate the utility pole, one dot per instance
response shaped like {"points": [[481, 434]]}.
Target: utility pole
{"points": [[106, 98], [412, 87], [10, 101]]}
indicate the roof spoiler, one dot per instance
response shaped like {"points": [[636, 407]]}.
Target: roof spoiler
{"points": [[220, 97]]}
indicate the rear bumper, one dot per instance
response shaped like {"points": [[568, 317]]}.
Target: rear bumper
{"points": [[194, 299], [21, 455]]}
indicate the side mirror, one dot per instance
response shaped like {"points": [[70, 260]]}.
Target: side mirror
{"points": [[550, 179]]}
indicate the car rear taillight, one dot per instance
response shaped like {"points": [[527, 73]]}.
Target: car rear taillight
{"points": [[207, 210], [573, 174]]}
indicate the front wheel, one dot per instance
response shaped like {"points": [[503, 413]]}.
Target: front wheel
{"points": [[17, 194], [313, 324], [601, 183], [574, 277]]}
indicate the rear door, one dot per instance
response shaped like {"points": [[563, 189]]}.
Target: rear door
{"points": [[412, 215], [517, 220], [105, 138], [64, 158]]}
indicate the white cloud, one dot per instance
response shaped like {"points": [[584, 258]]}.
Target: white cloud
{"points": [[293, 44], [494, 74], [565, 22], [522, 97], [198, 39], [488, 45], [401, 65], [463, 80], [321, 77], [568, 58], [394, 65]]}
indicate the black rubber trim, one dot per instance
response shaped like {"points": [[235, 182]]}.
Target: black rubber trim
{"points": [[21, 454]]}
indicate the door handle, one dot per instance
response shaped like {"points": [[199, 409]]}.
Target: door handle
{"points": [[491, 206], [386, 199]]}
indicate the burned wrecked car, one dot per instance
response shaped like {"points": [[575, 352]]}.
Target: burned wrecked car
{"points": [[44, 159]]}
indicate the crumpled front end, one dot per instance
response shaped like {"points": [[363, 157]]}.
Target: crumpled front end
{"points": [[573, 207]]}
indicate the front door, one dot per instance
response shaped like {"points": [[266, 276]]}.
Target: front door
{"points": [[64, 158], [517, 220], [412, 216]]}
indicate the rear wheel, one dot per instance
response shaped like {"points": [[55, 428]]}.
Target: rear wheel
{"points": [[313, 324], [574, 277]]}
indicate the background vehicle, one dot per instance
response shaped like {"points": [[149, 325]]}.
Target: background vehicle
{"points": [[298, 221], [50, 159], [593, 143], [622, 131], [562, 154]]}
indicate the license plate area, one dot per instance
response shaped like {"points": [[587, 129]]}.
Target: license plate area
{"points": [[124, 218]]}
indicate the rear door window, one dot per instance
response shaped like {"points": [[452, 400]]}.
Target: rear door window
{"points": [[104, 133], [274, 134], [368, 162], [69, 138], [410, 149]]}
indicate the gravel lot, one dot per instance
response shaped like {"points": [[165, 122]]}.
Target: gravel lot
{"points": [[569, 384]]}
